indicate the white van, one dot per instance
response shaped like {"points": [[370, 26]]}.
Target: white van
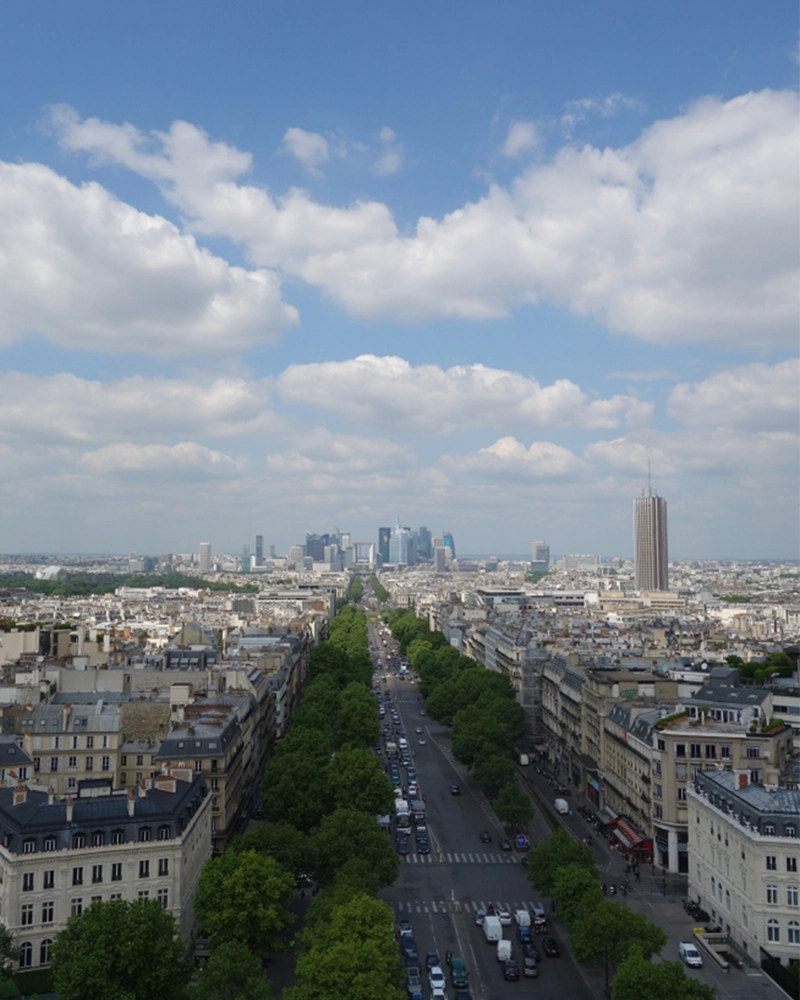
{"points": [[503, 950], [561, 806], [689, 954], [523, 918]]}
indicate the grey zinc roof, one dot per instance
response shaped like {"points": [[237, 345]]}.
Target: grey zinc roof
{"points": [[731, 695], [11, 753]]}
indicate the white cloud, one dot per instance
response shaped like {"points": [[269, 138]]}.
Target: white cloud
{"points": [[605, 107], [86, 271], [646, 375], [390, 160], [522, 137], [754, 397], [321, 452], [388, 392], [187, 460], [688, 234], [310, 148], [508, 458]]}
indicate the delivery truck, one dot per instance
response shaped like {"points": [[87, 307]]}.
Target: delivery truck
{"points": [[561, 806]]}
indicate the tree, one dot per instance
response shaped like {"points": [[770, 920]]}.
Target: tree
{"points": [[577, 890], [353, 956], [609, 929], [512, 805], [638, 979], [295, 790], [358, 782], [9, 952], [558, 851], [280, 841], [120, 951], [347, 835], [357, 724], [244, 897], [494, 771], [232, 972]]}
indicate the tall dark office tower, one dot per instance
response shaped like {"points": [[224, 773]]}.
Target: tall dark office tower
{"points": [[259, 550], [384, 537], [650, 541], [425, 547]]}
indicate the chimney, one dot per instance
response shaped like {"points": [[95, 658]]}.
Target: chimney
{"points": [[69, 809], [65, 715], [142, 789], [131, 802], [51, 794], [20, 795]]}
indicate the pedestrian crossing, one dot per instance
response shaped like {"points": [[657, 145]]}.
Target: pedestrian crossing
{"points": [[455, 858], [461, 905]]}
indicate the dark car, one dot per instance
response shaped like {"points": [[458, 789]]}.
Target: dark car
{"points": [[529, 968], [408, 947], [550, 948], [510, 970], [413, 978], [486, 837], [402, 847], [524, 934], [431, 960], [422, 847], [462, 995], [455, 790], [504, 844], [531, 951], [404, 927]]}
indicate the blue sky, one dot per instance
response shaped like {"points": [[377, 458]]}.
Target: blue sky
{"points": [[269, 270]]}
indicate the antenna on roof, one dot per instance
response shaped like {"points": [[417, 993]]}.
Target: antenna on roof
{"points": [[649, 483]]}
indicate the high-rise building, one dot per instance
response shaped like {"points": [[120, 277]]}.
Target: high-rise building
{"points": [[259, 550], [540, 563], [650, 541], [384, 537], [399, 543], [449, 543], [440, 559], [425, 549], [205, 557]]}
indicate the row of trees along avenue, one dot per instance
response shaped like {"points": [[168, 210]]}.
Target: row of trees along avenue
{"points": [[479, 705], [321, 793], [605, 932]]}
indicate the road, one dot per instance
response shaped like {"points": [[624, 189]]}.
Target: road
{"points": [[439, 893]]}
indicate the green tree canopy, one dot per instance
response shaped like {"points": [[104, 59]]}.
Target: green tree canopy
{"points": [[577, 890], [281, 841], [120, 951], [9, 951], [494, 771], [346, 835], [244, 896], [608, 931], [357, 781], [232, 972], [512, 805], [295, 790], [638, 979], [357, 723], [558, 851]]}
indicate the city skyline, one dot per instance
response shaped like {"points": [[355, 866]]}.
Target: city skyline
{"points": [[305, 269]]}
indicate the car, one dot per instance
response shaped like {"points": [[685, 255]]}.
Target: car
{"points": [[511, 970], [436, 978], [422, 833], [455, 790], [689, 954], [504, 844], [480, 916], [404, 928], [524, 860], [402, 834], [419, 729], [438, 993], [402, 847], [531, 951], [408, 946], [504, 917], [422, 847], [530, 970], [422, 711], [432, 962], [486, 837], [550, 948], [462, 994], [524, 935], [422, 742]]}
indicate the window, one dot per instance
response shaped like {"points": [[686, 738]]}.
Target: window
{"points": [[753, 750], [89, 742], [123, 760], [27, 914], [769, 829], [72, 762], [56, 742], [695, 770], [49, 879], [680, 772], [144, 869], [123, 778], [77, 876], [145, 834], [681, 795], [115, 895], [76, 907], [793, 933], [97, 874], [791, 864], [744, 880], [78, 841], [116, 871], [728, 898], [97, 899], [37, 764], [140, 760], [711, 751], [90, 763], [44, 951], [680, 749], [48, 911], [657, 791], [662, 745], [656, 768], [75, 743], [745, 917], [789, 831], [104, 741], [164, 832], [772, 894], [772, 863], [163, 867], [27, 882], [163, 897], [144, 894], [53, 764], [105, 763], [695, 750], [198, 765], [117, 836], [98, 838], [755, 775], [658, 812], [791, 895], [773, 931], [26, 955], [725, 751]]}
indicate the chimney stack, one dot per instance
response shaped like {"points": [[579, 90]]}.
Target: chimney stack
{"points": [[51, 794], [20, 795], [69, 809], [131, 802]]}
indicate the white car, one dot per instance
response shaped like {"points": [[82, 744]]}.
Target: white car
{"points": [[504, 917], [690, 954], [480, 916], [436, 979], [438, 994]]}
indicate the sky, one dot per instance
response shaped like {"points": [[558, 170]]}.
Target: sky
{"points": [[276, 268]]}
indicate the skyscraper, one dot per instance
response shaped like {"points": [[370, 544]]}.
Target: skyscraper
{"points": [[448, 541], [384, 536], [259, 550], [205, 557], [650, 541], [540, 562]]}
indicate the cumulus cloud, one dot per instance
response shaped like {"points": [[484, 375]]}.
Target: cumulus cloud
{"points": [[522, 137], [687, 234], [390, 159], [606, 107], [389, 392], [320, 451], [310, 148], [754, 397], [84, 270], [187, 460], [508, 458]]}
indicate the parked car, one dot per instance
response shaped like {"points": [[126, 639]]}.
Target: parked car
{"points": [[432, 961], [436, 979], [504, 844], [689, 954], [550, 948], [404, 927]]}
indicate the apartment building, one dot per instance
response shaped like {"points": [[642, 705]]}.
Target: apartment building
{"points": [[59, 855], [743, 861]]}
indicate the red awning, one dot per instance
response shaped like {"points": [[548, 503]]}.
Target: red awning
{"points": [[631, 837]]}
